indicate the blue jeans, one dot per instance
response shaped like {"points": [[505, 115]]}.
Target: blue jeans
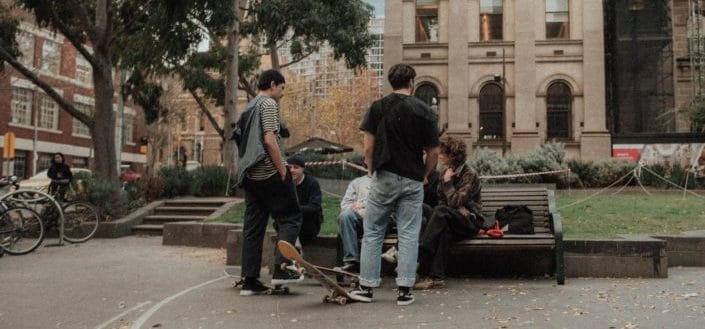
{"points": [[391, 193], [350, 228]]}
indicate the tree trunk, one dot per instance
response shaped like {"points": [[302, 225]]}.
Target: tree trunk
{"points": [[274, 55], [231, 83], [103, 129]]}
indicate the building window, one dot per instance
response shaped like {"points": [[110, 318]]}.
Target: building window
{"points": [[20, 164], [25, 41], [427, 20], [558, 116], [48, 113], [78, 162], [429, 94], [490, 20], [128, 128], [21, 106], [84, 70], [51, 56], [44, 161], [80, 128], [492, 112], [557, 19]]}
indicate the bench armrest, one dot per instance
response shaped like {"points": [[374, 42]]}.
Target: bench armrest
{"points": [[557, 227]]}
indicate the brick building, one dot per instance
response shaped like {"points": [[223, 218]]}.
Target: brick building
{"points": [[38, 123]]}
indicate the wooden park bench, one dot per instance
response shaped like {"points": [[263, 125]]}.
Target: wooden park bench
{"points": [[548, 237]]}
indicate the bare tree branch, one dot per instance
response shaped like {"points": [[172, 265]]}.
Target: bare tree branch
{"points": [[208, 113], [63, 103], [75, 40]]}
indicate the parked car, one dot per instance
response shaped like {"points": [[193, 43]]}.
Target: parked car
{"points": [[41, 180]]}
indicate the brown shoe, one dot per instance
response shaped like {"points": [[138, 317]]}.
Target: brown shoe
{"points": [[423, 284]]}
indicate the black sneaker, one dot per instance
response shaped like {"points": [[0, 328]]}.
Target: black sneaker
{"points": [[362, 294], [253, 287], [284, 276], [405, 296]]}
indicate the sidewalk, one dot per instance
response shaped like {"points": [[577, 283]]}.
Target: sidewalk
{"points": [[135, 282]]}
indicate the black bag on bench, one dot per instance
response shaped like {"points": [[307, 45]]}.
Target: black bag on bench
{"points": [[519, 218]]}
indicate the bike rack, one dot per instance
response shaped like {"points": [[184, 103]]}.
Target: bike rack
{"points": [[37, 199]]}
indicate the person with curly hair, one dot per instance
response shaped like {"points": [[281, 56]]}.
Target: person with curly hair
{"points": [[456, 217]]}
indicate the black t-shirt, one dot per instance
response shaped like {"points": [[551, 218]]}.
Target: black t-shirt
{"points": [[403, 126]]}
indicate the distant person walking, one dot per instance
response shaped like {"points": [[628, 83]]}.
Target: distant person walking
{"points": [[397, 130], [60, 175], [268, 184]]}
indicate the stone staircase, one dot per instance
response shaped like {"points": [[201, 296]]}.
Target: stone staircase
{"points": [[178, 210]]}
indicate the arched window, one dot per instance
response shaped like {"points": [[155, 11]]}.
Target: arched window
{"points": [[429, 94], [491, 112], [558, 116]]}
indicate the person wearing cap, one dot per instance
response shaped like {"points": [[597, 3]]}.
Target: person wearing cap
{"points": [[309, 193]]}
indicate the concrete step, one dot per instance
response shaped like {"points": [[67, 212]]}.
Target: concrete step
{"points": [[184, 210], [147, 229], [161, 219], [193, 203]]}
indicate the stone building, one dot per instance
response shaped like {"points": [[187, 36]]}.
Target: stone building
{"points": [[507, 75]]}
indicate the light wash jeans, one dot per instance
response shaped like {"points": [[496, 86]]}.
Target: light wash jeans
{"points": [[350, 228], [391, 193]]}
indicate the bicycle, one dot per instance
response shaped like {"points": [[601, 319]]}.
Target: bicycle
{"points": [[21, 228], [81, 218]]}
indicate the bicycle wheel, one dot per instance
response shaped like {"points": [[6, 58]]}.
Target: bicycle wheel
{"points": [[21, 231], [80, 221]]}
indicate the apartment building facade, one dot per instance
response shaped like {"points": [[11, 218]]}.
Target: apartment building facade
{"points": [[508, 75], [40, 126]]}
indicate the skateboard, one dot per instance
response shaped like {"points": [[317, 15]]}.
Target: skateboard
{"points": [[340, 275], [337, 294], [279, 289]]}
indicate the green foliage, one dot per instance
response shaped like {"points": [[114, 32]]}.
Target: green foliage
{"points": [[209, 181], [8, 30], [696, 113], [151, 187], [105, 194], [177, 181], [547, 157]]}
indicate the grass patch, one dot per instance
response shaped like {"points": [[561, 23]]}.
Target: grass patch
{"points": [[331, 208], [603, 216], [607, 214]]}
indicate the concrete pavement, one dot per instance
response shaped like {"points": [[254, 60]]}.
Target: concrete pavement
{"points": [[135, 282]]}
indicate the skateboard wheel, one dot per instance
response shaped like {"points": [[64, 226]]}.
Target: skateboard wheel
{"points": [[286, 290], [326, 299], [342, 301], [269, 291]]}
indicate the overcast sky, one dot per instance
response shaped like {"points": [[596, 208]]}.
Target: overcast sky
{"points": [[379, 7]]}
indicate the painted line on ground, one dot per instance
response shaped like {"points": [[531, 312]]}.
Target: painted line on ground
{"points": [[142, 319], [117, 317]]}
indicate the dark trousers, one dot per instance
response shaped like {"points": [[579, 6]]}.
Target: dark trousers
{"points": [[275, 197], [310, 226], [446, 225]]}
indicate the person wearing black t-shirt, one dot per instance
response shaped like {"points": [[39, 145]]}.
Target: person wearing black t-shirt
{"points": [[397, 130]]}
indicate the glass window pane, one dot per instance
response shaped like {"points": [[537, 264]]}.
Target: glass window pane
{"points": [[491, 112], [558, 112], [556, 5], [490, 27], [491, 6], [427, 21]]}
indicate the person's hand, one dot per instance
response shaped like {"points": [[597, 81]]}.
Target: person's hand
{"points": [[464, 211], [448, 175], [283, 174]]}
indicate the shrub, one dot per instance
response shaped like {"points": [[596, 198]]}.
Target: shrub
{"points": [[177, 181], [150, 188], [651, 177], [610, 170], [107, 195], [586, 172], [490, 163], [209, 181]]}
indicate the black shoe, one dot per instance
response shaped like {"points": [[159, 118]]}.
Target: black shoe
{"points": [[353, 267], [284, 276], [362, 294], [405, 296], [253, 287]]}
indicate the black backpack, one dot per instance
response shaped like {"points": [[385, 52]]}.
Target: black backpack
{"points": [[519, 218]]}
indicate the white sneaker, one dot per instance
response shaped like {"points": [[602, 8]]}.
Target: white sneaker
{"points": [[390, 256]]}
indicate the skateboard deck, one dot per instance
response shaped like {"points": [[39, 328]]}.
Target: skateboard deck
{"points": [[279, 289], [337, 294], [341, 275]]}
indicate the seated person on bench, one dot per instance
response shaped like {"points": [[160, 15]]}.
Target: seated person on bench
{"points": [[456, 217], [352, 212], [309, 193]]}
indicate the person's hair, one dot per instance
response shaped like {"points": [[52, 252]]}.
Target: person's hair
{"points": [[399, 75], [63, 158], [269, 76], [455, 149]]}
